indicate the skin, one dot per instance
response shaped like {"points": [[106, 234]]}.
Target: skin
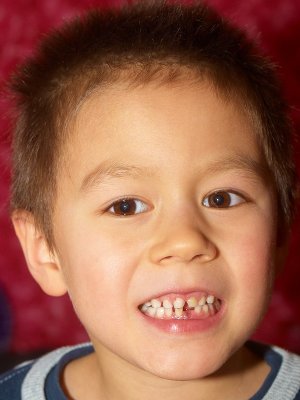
{"points": [[111, 264]]}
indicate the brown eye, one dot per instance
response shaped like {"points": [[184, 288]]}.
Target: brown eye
{"points": [[222, 199], [127, 207]]}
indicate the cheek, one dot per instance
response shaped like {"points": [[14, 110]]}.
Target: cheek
{"points": [[251, 263], [248, 245], [98, 270]]}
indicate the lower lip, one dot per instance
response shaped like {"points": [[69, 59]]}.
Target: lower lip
{"points": [[184, 326]]}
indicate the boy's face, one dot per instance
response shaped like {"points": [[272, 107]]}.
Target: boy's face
{"points": [[165, 150]]}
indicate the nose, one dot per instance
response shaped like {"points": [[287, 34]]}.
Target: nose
{"points": [[182, 243]]}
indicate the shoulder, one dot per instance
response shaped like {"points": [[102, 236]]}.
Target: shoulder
{"points": [[283, 381], [288, 377], [33, 379], [11, 382]]}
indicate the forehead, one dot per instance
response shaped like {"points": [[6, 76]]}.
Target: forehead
{"points": [[125, 124]]}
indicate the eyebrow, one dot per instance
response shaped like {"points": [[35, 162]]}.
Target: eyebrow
{"points": [[243, 163], [108, 170]]}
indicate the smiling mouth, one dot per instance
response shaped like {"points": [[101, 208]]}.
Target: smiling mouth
{"points": [[177, 307]]}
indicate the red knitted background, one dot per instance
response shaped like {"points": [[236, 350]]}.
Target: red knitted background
{"points": [[40, 321]]}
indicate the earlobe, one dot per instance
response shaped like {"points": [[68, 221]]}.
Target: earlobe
{"points": [[43, 264]]}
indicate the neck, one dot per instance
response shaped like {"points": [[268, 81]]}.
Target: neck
{"points": [[105, 375]]}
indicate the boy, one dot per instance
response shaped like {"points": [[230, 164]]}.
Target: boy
{"points": [[153, 182]]}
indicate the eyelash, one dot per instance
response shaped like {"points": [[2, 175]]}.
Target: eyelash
{"points": [[221, 196], [228, 195], [124, 201]]}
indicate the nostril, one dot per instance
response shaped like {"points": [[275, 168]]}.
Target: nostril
{"points": [[184, 244]]}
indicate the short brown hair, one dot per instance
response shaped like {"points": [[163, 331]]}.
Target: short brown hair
{"points": [[150, 40]]}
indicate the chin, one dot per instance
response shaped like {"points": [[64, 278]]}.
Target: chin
{"points": [[179, 374], [185, 369]]}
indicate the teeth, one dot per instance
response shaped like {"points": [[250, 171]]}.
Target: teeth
{"points": [[205, 308], [155, 303], [151, 311], [167, 304], [198, 309], [144, 307], [211, 308], [192, 302], [168, 312], [160, 312], [202, 301], [179, 303], [178, 312], [207, 305]]}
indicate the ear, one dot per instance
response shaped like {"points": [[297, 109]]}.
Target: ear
{"points": [[43, 264]]}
